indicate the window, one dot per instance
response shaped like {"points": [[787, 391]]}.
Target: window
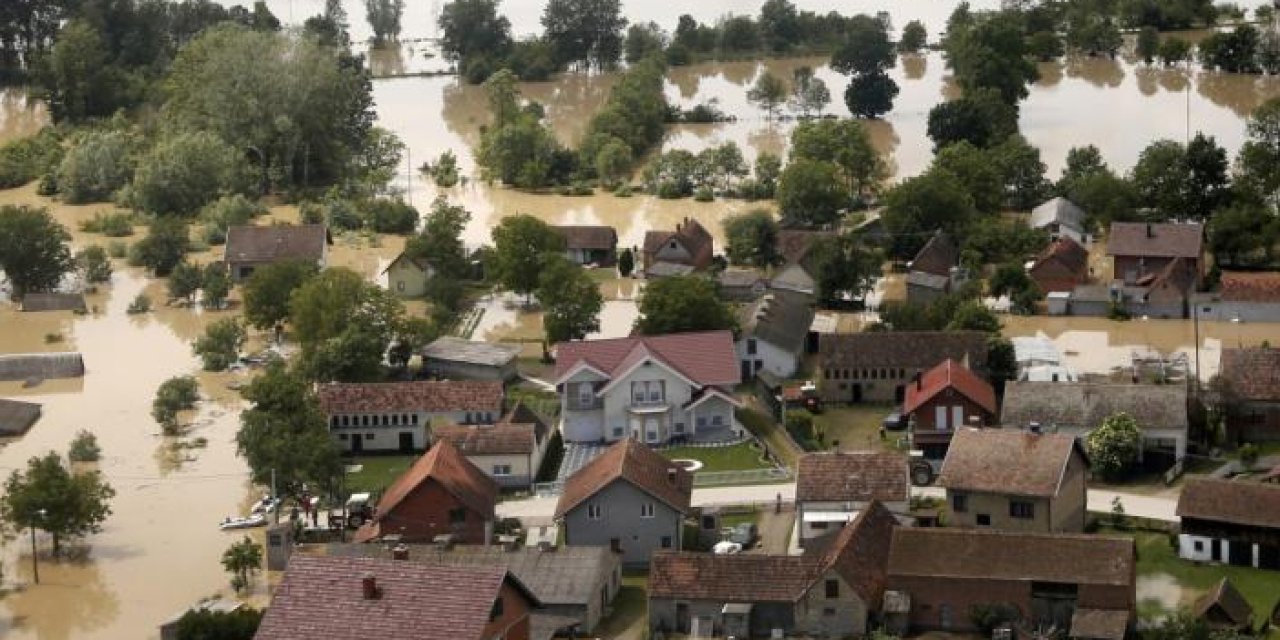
{"points": [[342, 436], [751, 346], [346, 421], [400, 285], [666, 542], [457, 516], [369, 436], [818, 526], [826, 373], [717, 420], [702, 421], [395, 420], [984, 520], [617, 432], [1199, 545], [828, 612], [467, 418], [646, 510], [415, 418], [501, 469], [585, 395], [679, 427], [833, 588], [1022, 509], [959, 502], [496, 612], [594, 511]]}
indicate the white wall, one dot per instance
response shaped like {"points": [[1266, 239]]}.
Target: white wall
{"points": [[776, 360]]}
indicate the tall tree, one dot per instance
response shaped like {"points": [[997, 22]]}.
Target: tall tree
{"points": [[992, 54], [439, 244], [682, 303], [266, 294], [914, 37], [920, 205], [242, 560], [780, 25], [221, 343], [810, 193], [473, 27], [586, 32], [285, 433], [752, 238], [846, 144], [1160, 178], [521, 244], [33, 249], [768, 93], [1258, 162], [344, 325], [384, 18], [809, 94], [49, 497], [167, 241], [571, 300], [866, 56], [844, 265], [644, 40], [979, 117], [1208, 185]]}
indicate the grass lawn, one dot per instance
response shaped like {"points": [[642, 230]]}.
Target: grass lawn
{"points": [[629, 615], [378, 472], [735, 519], [772, 434], [544, 403], [1157, 557], [857, 427], [732, 458]]}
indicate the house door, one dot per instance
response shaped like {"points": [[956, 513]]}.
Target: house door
{"points": [[682, 617], [357, 442], [1268, 557], [406, 441], [1215, 548], [855, 392], [746, 370], [1241, 554]]}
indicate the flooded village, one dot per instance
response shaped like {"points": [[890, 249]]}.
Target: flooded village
{"points": [[803, 463]]}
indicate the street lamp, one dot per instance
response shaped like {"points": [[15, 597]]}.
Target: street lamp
{"points": [[35, 562]]}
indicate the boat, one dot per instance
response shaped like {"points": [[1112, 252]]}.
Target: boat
{"points": [[253, 520], [265, 505]]}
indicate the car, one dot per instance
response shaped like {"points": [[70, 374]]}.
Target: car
{"points": [[744, 534], [726, 548], [894, 421]]}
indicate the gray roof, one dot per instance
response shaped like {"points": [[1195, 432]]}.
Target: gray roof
{"points": [[53, 302], [459, 350], [1084, 405], [908, 349], [17, 417], [567, 575], [780, 317], [794, 277], [927, 280], [23, 366], [249, 243], [740, 277], [1059, 210], [664, 269]]}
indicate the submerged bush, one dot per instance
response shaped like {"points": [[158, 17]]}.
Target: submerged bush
{"points": [[96, 167]]}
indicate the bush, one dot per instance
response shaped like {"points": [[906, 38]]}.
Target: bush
{"points": [[385, 215], [622, 191], [166, 243], [84, 448], [220, 345], [26, 159], [94, 264], [185, 172], [96, 167], [117, 249], [1114, 446], [112, 225], [174, 395], [1248, 454], [704, 194], [140, 304], [800, 426], [226, 212]]}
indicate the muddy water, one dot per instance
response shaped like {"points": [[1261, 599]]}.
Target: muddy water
{"points": [[19, 115]]}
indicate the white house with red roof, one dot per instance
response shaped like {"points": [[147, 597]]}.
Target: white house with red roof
{"points": [[650, 388]]}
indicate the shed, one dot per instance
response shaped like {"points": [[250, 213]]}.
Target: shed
{"points": [[450, 357], [41, 366], [17, 417], [53, 302], [1225, 608]]}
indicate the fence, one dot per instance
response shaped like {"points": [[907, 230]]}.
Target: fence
{"points": [[700, 479]]}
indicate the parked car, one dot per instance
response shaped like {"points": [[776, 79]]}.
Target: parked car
{"points": [[894, 421], [726, 548], [744, 534]]}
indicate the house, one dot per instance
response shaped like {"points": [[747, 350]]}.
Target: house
{"points": [[1231, 522], [945, 573], [249, 247], [795, 248], [943, 400], [441, 494], [774, 333], [354, 598], [1225, 609], [1061, 218], [935, 270], [689, 248], [1076, 408], [1252, 378], [590, 244], [1164, 293], [41, 366], [1140, 249], [833, 488], [741, 285], [878, 366], [455, 358], [574, 584], [407, 276], [1040, 361], [1243, 297], [628, 498], [54, 302], [398, 416], [510, 451], [1062, 266], [833, 592], [1015, 481], [650, 388], [17, 417]]}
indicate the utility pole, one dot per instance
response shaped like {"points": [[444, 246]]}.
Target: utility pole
{"points": [[35, 561], [275, 496]]}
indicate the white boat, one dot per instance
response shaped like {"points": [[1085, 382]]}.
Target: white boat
{"points": [[265, 505], [253, 520]]}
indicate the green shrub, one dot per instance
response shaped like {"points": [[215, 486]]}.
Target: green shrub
{"points": [[174, 395], [622, 191], [94, 264], [117, 249], [704, 194], [99, 164], [140, 304], [84, 448], [26, 159], [112, 225], [226, 212], [184, 172], [386, 215]]}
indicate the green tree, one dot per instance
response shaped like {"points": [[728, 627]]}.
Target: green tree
{"points": [[343, 324], [613, 161], [768, 93], [184, 172], [846, 144], [267, 292], [284, 431], [184, 281], [1160, 177], [33, 249], [585, 32], [914, 37], [1148, 45], [242, 560], [1114, 446], [1208, 185], [175, 394], [992, 54], [98, 165], [1234, 52], [1243, 234], [1174, 50], [219, 216], [1002, 362], [520, 245], [976, 173], [809, 94], [84, 447], [1258, 163], [473, 27], [206, 624], [79, 77], [47, 496], [811, 193], [752, 238], [439, 243], [866, 56], [972, 315], [920, 205], [220, 345], [215, 285], [384, 18], [844, 265], [644, 40], [1022, 172], [626, 262], [571, 300], [780, 25], [1046, 46], [979, 117], [682, 303]]}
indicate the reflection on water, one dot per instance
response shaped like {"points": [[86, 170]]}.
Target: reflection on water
{"points": [[19, 115], [504, 318], [1162, 591], [71, 601]]}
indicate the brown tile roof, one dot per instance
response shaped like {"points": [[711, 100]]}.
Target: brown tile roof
{"points": [[1237, 502], [16, 417], [488, 440], [430, 396], [323, 597], [1155, 240], [854, 476], [860, 552], [1066, 252], [731, 578], [451, 469], [1229, 601], [588, 236], [794, 244], [1007, 461], [1240, 286], [950, 375], [417, 261], [937, 256], [691, 235], [780, 317], [638, 465], [1009, 556], [706, 357], [1099, 624], [276, 242], [906, 349], [1084, 405], [53, 302], [1253, 373]]}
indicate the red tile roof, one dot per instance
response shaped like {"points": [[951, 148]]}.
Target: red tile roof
{"points": [[937, 256], [638, 465], [695, 239], [323, 597], [981, 555], [1008, 461], [860, 552], [1241, 286], [1155, 240], [858, 475], [950, 375], [1253, 373], [706, 357], [451, 469], [429, 396], [1254, 504], [1066, 252], [489, 439]]}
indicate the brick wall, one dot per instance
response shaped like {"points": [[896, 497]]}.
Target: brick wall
{"points": [[424, 514], [513, 624]]}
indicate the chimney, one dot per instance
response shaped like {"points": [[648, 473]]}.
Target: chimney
{"points": [[1150, 232], [1034, 427], [400, 552], [671, 475], [918, 378], [369, 584]]}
